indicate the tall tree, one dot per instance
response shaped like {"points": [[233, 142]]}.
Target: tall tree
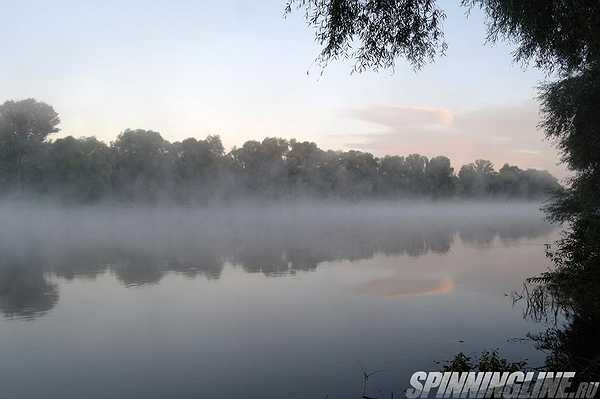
{"points": [[440, 175], [304, 159], [79, 169], [24, 127], [143, 163], [416, 166], [477, 178], [392, 175], [262, 164]]}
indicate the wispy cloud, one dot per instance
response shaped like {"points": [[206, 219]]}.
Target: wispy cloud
{"points": [[528, 152], [498, 133], [405, 117]]}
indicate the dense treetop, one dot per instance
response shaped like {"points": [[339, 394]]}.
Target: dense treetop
{"points": [[142, 165]]}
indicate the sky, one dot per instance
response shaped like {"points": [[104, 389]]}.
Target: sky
{"points": [[242, 70]]}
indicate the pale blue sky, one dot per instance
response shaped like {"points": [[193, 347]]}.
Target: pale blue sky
{"points": [[239, 69]]}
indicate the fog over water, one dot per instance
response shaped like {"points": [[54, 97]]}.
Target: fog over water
{"points": [[274, 239], [257, 300]]}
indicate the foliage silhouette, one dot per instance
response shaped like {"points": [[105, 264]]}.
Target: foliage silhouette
{"points": [[140, 165]]}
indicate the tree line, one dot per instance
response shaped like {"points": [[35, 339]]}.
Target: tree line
{"points": [[142, 165]]}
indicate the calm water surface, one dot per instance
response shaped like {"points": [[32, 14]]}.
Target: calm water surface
{"points": [[257, 302]]}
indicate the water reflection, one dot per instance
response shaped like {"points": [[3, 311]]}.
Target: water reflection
{"points": [[25, 292], [399, 285], [573, 312], [140, 246]]}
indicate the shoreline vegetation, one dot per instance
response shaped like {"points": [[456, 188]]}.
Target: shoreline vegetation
{"points": [[141, 166]]}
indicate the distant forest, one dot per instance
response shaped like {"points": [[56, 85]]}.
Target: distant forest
{"points": [[141, 165]]}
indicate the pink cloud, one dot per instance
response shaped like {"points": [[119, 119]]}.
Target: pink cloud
{"points": [[498, 133]]}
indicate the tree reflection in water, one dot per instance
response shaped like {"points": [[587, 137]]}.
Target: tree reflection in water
{"points": [[140, 247], [571, 342]]}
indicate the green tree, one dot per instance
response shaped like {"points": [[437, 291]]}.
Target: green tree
{"points": [[304, 159], [143, 164], [416, 165], [261, 165], [24, 128], [508, 180], [356, 174], [198, 167], [393, 176], [198, 158], [476, 178], [79, 169], [440, 176]]}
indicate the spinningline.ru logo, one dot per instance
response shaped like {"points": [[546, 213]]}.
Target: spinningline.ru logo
{"points": [[499, 385]]}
